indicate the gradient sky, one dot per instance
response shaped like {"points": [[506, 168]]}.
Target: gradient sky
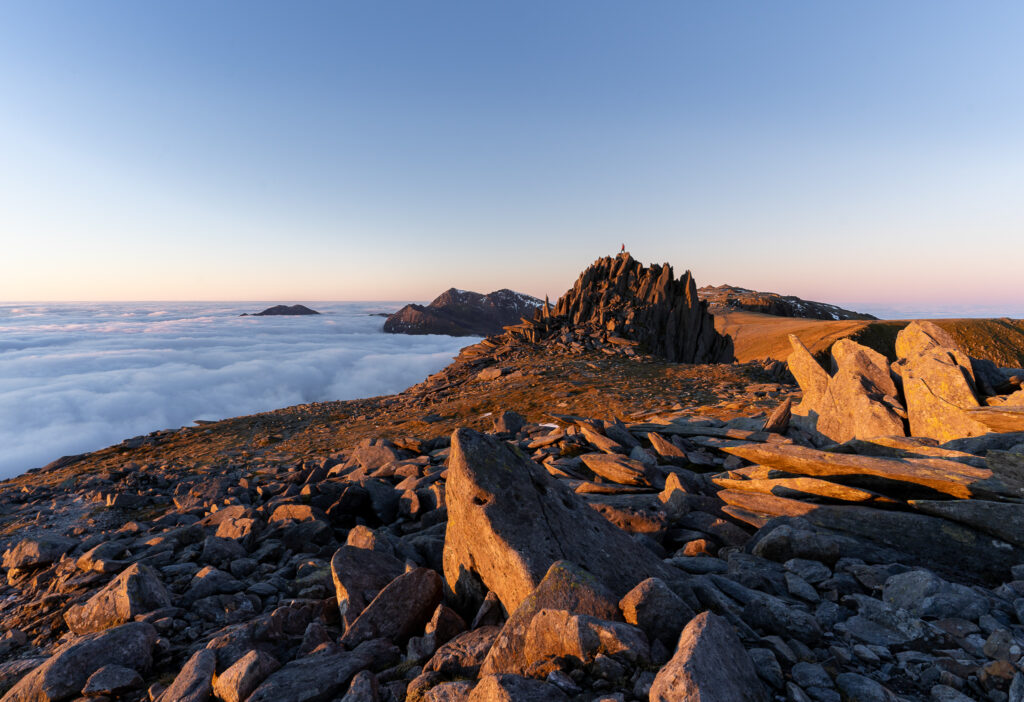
{"points": [[867, 151]]}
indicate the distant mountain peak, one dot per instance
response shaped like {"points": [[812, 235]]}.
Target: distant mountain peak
{"points": [[732, 297], [457, 312], [282, 311]]}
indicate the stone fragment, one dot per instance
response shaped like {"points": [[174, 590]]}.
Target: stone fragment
{"points": [[565, 587], [36, 552], [112, 680], [136, 590], [555, 633], [938, 383], [399, 611], [322, 676], [66, 672], [948, 477], [859, 688], [653, 607], [616, 468], [496, 541], [513, 688], [238, 682], [924, 594], [463, 655], [363, 688], [710, 665], [359, 575], [194, 682]]}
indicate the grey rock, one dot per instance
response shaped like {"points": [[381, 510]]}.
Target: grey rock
{"points": [[566, 587], [112, 680], [36, 552], [359, 575], [767, 666], [322, 676], [66, 672], [463, 655], [494, 495], [924, 594], [194, 682], [400, 610], [135, 591], [363, 688], [710, 664], [513, 688], [655, 608], [238, 682]]}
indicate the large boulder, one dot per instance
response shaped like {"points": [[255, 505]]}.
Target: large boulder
{"points": [[709, 665], [136, 590], [509, 520], [65, 673], [858, 401], [938, 383]]}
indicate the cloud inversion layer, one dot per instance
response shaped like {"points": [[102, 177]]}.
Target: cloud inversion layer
{"points": [[78, 377]]}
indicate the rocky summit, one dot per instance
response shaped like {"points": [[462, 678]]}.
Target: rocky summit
{"points": [[622, 304], [564, 513], [463, 313]]}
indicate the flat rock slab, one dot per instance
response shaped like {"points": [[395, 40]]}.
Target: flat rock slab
{"points": [[616, 468], [1002, 419], [803, 489], [508, 521], [947, 477], [1004, 520], [930, 541]]}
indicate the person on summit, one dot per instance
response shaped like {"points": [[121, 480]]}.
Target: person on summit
{"points": [[623, 249]]}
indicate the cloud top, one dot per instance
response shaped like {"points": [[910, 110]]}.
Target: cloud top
{"points": [[78, 377]]}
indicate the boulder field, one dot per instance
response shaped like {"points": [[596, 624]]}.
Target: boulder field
{"points": [[816, 544]]}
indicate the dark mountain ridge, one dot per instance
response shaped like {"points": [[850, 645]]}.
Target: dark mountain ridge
{"points": [[463, 313]]}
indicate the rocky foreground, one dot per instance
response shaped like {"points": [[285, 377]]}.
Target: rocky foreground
{"points": [[562, 514]]}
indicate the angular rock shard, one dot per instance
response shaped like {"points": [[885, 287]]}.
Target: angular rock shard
{"points": [[710, 665], [508, 521], [136, 590]]}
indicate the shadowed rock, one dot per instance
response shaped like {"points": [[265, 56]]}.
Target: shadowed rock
{"points": [[65, 673], [710, 665]]}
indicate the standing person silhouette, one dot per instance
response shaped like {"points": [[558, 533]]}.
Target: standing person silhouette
{"points": [[623, 249]]}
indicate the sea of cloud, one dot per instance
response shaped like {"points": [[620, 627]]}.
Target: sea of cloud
{"points": [[80, 376]]}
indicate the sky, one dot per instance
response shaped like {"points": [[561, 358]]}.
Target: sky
{"points": [[868, 152]]}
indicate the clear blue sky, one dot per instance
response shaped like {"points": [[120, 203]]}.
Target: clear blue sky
{"points": [[857, 151]]}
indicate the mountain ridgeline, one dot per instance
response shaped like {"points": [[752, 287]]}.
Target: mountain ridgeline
{"points": [[463, 313], [730, 297]]}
